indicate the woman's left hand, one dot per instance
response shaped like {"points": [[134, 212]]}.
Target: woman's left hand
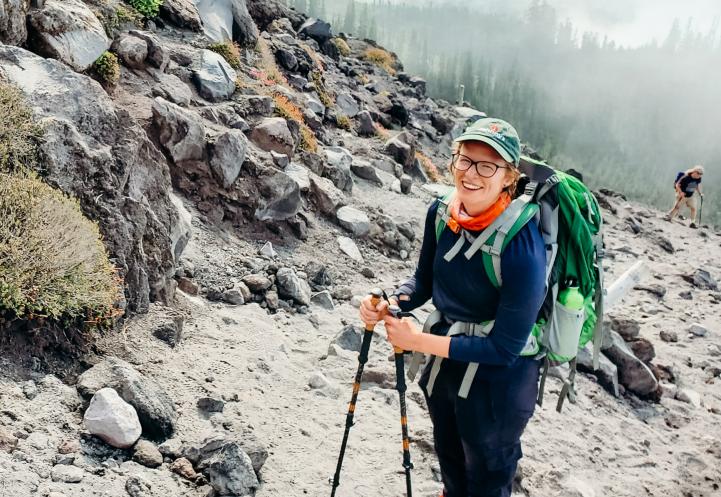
{"points": [[402, 333]]}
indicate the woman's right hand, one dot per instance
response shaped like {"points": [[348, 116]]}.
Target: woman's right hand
{"points": [[372, 315]]}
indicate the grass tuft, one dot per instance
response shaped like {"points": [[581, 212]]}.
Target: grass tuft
{"points": [[107, 68], [229, 50], [380, 58], [19, 134]]}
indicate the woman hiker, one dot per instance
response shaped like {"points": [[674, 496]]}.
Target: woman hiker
{"points": [[476, 438], [686, 187]]}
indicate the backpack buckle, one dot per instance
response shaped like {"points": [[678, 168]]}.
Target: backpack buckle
{"points": [[530, 188]]}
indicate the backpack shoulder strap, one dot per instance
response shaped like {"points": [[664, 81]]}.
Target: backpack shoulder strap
{"points": [[442, 213]]}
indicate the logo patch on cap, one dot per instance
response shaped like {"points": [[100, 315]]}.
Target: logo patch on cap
{"points": [[494, 127]]}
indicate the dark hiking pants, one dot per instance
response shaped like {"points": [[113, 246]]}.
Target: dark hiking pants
{"points": [[477, 440]]}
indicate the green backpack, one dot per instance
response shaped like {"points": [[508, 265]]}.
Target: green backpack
{"points": [[569, 218]]}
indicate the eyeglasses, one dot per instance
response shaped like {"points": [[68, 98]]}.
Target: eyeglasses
{"points": [[483, 168]]}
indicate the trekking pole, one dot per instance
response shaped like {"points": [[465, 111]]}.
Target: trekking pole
{"points": [[395, 311], [376, 293], [700, 210]]}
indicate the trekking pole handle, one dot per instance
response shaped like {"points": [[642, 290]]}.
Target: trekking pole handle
{"points": [[394, 311], [376, 296]]}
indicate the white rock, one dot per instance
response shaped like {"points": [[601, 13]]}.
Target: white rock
{"points": [[689, 396], [354, 220], [318, 380], [215, 78], [67, 474], [356, 301], [267, 250], [299, 174], [349, 248], [112, 419]]}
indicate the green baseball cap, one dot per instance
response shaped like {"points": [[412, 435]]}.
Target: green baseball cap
{"points": [[498, 134]]}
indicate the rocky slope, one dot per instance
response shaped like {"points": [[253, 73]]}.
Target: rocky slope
{"points": [[203, 178]]}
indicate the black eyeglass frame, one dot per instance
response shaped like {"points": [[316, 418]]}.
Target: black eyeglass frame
{"points": [[496, 167]]}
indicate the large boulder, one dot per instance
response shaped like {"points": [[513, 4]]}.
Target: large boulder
{"points": [[325, 195], [347, 105], [354, 220], [101, 156], [155, 409], [632, 372], [281, 197], [13, 27], [182, 13], [68, 30], [227, 20], [214, 78], [273, 134], [227, 154], [132, 50], [316, 29], [112, 419], [179, 131]]}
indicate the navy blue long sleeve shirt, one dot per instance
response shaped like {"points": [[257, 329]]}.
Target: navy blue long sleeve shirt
{"points": [[462, 291]]}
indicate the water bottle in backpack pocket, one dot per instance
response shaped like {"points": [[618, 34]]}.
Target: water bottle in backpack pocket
{"points": [[564, 333]]}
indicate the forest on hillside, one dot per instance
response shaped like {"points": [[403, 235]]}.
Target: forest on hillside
{"points": [[628, 118]]}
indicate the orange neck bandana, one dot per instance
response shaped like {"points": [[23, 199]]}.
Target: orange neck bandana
{"points": [[461, 219]]}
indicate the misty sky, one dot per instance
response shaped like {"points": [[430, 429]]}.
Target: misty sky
{"points": [[629, 22]]}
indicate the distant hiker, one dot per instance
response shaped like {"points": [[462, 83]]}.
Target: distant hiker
{"points": [[476, 435], [686, 185]]}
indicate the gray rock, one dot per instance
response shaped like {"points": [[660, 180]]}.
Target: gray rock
{"points": [[698, 330], [68, 30], [281, 197], [349, 248], [172, 88], [147, 454], [406, 184], [366, 126], [230, 471], [267, 250], [13, 26], [314, 104], [347, 105], [272, 300], [227, 154], [299, 174], [272, 133], [155, 409], [337, 167], [132, 50], [254, 105], [209, 404], [643, 349], [265, 12], [67, 474], [257, 282], [222, 18], [668, 336], [386, 165], [313, 121], [158, 55], [286, 59], [233, 296], [323, 299], [417, 172], [179, 131], [30, 390], [182, 13], [169, 332], [136, 486], [298, 82], [291, 286], [365, 170], [354, 220], [607, 372], [632, 372], [401, 148], [655, 289], [349, 338], [112, 419], [702, 279], [689, 396], [215, 78], [325, 195], [8, 442], [316, 29], [280, 160]]}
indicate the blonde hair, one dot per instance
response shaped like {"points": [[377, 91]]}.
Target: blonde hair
{"points": [[695, 169], [511, 170]]}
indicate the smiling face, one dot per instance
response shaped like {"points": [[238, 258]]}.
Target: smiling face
{"points": [[478, 193]]}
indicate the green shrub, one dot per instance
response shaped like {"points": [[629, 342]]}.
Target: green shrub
{"points": [[19, 134], [148, 8], [230, 52], [53, 264], [342, 46], [107, 68]]}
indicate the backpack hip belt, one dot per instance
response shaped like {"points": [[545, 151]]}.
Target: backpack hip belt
{"points": [[459, 328]]}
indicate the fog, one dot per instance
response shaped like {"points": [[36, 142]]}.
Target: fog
{"points": [[628, 92]]}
